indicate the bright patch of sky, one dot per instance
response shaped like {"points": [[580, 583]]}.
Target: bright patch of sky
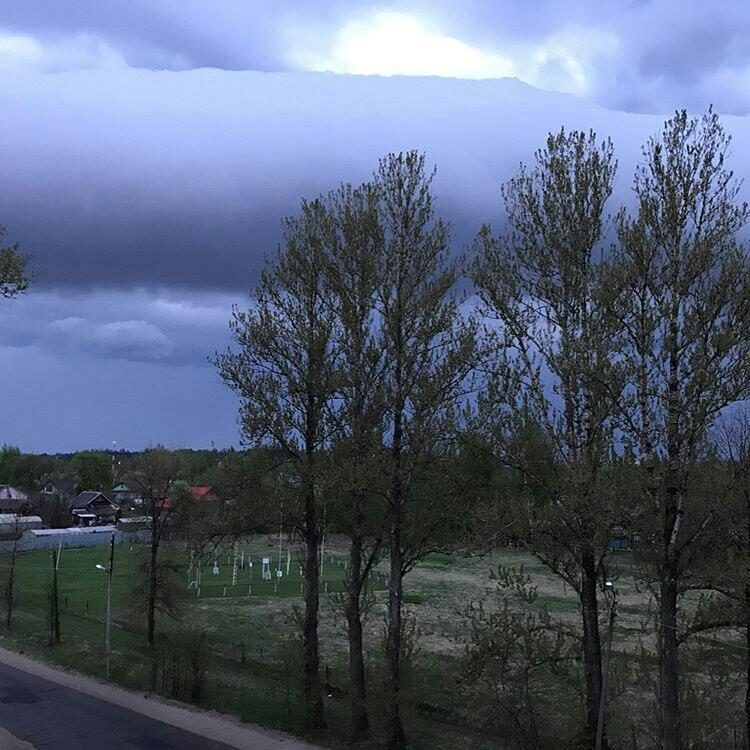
{"points": [[391, 43]]}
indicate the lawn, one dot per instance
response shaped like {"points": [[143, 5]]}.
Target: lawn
{"points": [[253, 669]]}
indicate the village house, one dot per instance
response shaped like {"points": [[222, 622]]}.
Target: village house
{"points": [[52, 500], [12, 500], [13, 526], [63, 488], [204, 494], [92, 508], [199, 494], [124, 496]]}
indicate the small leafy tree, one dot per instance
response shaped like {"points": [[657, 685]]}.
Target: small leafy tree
{"points": [[10, 578], [521, 668], [9, 458], [93, 471], [14, 278], [153, 477]]}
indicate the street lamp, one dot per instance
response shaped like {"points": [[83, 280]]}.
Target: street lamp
{"points": [[108, 631], [610, 594]]}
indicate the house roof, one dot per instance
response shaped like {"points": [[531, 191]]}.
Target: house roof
{"points": [[198, 493], [84, 499], [11, 493], [73, 532], [63, 486], [8, 519]]}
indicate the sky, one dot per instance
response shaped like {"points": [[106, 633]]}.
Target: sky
{"points": [[150, 148]]}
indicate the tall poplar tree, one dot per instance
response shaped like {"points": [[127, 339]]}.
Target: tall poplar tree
{"points": [[540, 290], [429, 351], [683, 312], [353, 265], [284, 371]]}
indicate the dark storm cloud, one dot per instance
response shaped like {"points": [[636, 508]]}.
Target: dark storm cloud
{"points": [[148, 198], [180, 179], [647, 55]]}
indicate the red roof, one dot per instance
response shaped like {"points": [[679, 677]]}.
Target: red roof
{"points": [[198, 493]]}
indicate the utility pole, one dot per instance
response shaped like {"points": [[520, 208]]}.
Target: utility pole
{"points": [[55, 604], [611, 595], [108, 628], [114, 450]]}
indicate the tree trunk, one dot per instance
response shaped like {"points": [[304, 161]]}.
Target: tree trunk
{"points": [[314, 715], [11, 590], [358, 692], [152, 582], [747, 620], [747, 679], [669, 570], [668, 685], [592, 654], [395, 737]]}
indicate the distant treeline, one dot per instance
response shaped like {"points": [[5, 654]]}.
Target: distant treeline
{"points": [[97, 469]]}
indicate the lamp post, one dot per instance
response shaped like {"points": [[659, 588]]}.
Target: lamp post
{"points": [[610, 594], [108, 631]]}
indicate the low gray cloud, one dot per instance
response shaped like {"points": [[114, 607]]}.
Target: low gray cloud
{"points": [[135, 340], [170, 327]]}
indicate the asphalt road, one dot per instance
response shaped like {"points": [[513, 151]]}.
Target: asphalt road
{"points": [[49, 715]]}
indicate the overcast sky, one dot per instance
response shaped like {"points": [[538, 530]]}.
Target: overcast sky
{"points": [[149, 149]]}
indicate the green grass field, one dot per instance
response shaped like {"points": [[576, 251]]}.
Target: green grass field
{"points": [[253, 667], [252, 672]]}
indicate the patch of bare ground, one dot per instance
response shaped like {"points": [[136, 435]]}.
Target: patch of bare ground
{"points": [[438, 591]]}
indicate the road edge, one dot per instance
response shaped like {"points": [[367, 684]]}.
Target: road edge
{"points": [[209, 724]]}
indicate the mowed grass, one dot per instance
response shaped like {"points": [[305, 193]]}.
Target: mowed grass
{"points": [[254, 671], [246, 625]]}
